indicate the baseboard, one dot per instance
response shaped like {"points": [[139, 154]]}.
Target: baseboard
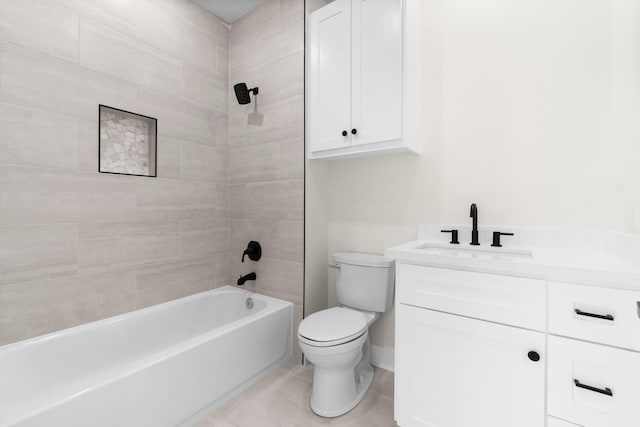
{"points": [[383, 357]]}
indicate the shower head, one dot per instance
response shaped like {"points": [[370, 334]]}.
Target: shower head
{"points": [[242, 93]]}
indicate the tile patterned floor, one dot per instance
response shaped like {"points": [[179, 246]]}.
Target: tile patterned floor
{"points": [[282, 400]]}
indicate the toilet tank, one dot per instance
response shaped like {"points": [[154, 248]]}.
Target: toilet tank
{"points": [[365, 281]]}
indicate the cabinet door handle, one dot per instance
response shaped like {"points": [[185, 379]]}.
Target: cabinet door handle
{"points": [[597, 316], [354, 131], [344, 133], [607, 391]]}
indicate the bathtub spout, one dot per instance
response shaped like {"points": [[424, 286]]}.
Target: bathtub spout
{"points": [[242, 279]]}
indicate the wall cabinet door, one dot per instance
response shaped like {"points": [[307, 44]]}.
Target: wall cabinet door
{"points": [[376, 88], [355, 77], [329, 76], [453, 371]]}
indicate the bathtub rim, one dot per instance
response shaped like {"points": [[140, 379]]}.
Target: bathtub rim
{"points": [[14, 346]]}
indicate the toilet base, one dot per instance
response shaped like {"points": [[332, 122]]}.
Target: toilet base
{"points": [[362, 383], [338, 390]]}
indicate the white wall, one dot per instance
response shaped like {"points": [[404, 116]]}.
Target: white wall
{"points": [[530, 109]]}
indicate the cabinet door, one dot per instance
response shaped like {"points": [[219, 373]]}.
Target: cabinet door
{"points": [[377, 71], [453, 371], [329, 76]]}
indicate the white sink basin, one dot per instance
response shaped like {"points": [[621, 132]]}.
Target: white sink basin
{"points": [[486, 252]]}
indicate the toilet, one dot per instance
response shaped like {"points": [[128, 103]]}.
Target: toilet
{"points": [[336, 340]]}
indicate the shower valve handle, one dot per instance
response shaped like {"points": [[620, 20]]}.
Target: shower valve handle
{"points": [[253, 251]]}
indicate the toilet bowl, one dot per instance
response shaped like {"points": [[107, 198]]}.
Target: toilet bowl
{"points": [[336, 340]]}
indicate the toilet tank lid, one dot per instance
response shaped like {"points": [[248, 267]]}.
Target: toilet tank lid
{"points": [[366, 260]]}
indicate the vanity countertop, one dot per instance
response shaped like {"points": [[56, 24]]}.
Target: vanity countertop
{"points": [[598, 258]]}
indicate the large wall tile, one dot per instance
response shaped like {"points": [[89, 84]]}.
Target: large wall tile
{"points": [[180, 119], [281, 120], [158, 283], [204, 238], [203, 163], [40, 196], [168, 199], [119, 15], [222, 200], [238, 201], [88, 145], [278, 79], [291, 235], [253, 163], [262, 200], [41, 82], [31, 309], [108, 51], [291, 159], [222, 270], [222, 130], [168, 151], [206, 93], [115, 245], [37, 252], [282, 200], [291, 198], [280, 279], [158, 27], [33, 138], [40, 25]]}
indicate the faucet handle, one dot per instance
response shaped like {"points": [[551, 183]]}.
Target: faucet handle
{"points": [[454, 236], [254, 251], [496, 238]]}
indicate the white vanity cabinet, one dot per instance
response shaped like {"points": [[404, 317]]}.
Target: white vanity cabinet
{"points": [[362, 73], [478, 349], [459, 363]]}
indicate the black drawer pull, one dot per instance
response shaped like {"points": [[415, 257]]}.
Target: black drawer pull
{"points": [[597, 316], [606, 390]]}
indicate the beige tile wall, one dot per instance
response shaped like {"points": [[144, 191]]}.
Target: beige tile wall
{"points": [[75, 245], [266, 172]]}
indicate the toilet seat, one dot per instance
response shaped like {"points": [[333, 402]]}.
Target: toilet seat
{"points": [[333, 326]]}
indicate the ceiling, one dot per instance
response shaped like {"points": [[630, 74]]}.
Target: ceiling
{"points": [[230, 10]]}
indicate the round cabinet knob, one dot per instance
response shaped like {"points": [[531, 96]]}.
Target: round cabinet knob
{"points": [[534, 356], [344, 133], [354, 131]]}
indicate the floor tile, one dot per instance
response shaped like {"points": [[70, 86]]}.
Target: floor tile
{"points": [[282, 400]]}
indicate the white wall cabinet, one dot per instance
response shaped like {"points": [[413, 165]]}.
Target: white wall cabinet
{"points": [[363, 78], [454, 371]]}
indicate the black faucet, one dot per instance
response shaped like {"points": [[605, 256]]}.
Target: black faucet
{"points": [[242, 279], [474, 232]]}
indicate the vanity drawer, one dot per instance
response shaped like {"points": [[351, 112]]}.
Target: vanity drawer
{"points": [[591, 384], [503, 299], [604, 315]]}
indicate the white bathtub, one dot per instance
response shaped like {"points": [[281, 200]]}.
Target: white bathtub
{"points": [[165, 365]]}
